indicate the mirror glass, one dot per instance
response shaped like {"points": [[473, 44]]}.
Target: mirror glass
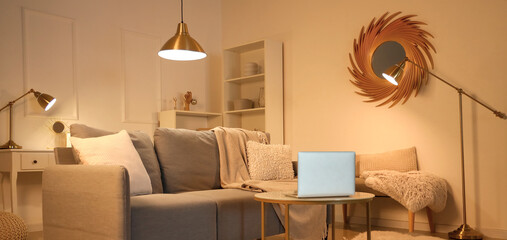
{"points": [[385, 56]]}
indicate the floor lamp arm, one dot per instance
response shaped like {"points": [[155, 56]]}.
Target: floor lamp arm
{"points": [[461, 91]]}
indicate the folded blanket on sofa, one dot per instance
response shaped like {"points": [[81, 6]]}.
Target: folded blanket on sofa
{"points": [[234, 174], [414, 189]]}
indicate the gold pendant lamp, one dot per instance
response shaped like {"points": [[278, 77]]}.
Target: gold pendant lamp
{"points": [[182, 47]]}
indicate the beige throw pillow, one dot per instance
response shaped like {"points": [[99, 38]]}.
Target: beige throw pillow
{"points": [[402, 160], [115, 149], [269, 162]]}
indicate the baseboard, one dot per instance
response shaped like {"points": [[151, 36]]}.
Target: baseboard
{"points": [[423, 226], [494, 233]]}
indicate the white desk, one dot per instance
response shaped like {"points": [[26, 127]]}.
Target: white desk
{"points": [[14, 161]]}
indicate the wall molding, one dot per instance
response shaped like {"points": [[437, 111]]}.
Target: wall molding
{"points": [[144, 79], [49, 62]]}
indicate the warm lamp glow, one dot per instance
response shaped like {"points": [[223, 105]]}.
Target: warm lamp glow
{"points": [[181, 55], [390, 79]]}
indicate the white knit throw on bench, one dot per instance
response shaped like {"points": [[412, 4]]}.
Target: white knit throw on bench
{"points": [[414, 190]]}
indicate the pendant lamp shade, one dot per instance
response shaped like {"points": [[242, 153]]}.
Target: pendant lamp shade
{"points": [[182, 47]]}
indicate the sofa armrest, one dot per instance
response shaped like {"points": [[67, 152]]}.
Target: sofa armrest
{"points": [[86, 202], [64, 155]]}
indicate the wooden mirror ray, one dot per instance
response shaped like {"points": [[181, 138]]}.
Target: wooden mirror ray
{"points": [[414, 40]]}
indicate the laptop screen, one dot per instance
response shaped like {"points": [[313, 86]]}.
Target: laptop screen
{"points": [[326, 174]]}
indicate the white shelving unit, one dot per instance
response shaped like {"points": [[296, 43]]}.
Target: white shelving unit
{"points": [[268, 56], [189, 119]]}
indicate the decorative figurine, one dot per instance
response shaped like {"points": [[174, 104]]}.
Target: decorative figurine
{"points": [[175, 99], [188, 100]]}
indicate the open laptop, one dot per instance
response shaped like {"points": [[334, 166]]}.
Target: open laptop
{"points": [[326, 174]]}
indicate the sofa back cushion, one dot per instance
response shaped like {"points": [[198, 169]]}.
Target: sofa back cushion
{"points": [[188, 159], [402, 160], [142, 143]]}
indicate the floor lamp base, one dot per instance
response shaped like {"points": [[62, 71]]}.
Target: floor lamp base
{"points": [[465, 232], [10, 145]]}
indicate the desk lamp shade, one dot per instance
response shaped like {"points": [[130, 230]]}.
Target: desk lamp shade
{"points": [[46, 101]]}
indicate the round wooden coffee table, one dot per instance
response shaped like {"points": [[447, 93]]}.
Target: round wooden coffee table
{"points": [[285, 199]]}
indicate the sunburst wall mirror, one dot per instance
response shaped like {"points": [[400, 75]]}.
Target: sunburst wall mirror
{"points": [[387, 42]]}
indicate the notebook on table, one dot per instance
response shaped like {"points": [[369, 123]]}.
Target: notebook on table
{"points": [[326, 174]]}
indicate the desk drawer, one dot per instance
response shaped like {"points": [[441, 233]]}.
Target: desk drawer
{"points": [[33, 161]]}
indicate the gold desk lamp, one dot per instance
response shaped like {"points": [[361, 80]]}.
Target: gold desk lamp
{"points": [[45, 101], [182, 47], [393, 75]]}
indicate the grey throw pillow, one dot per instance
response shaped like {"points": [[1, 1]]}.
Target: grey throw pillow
{"points": [[188, 159], [142, 143]]}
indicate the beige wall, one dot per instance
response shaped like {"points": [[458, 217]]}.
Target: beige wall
{"points": [[322, 112], [99, 59]]}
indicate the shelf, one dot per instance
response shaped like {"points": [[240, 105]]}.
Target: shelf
{"points": [[252, 78], [249, 110], [268, 54], [247, 47], [189, 119], [195, 114]]}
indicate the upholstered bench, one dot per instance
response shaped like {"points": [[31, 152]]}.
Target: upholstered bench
{"points": [[404, 160]]}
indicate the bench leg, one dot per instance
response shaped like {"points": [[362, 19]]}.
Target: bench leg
{"points": [[429, 213], [344, 212], [411, 218]]}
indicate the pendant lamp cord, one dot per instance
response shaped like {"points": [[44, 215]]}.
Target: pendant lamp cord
{"points": [[182, 11]]}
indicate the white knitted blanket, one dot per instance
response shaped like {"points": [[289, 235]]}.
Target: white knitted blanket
{"points": [[414, 190]]}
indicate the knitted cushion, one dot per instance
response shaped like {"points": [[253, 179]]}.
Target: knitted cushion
{"points": [[269, 161], [12, 227]]}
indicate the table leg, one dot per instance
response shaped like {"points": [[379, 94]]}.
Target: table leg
{"points": [[368, 221], [286, 221], [263, 230], [14, 192], [332, 221]]}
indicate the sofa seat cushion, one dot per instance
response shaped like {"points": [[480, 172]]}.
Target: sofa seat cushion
{"points": [[173, 216], [361, 187], [239, 215]]}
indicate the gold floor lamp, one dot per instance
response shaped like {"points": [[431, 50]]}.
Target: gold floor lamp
{"points": [[45, 101], [393, 75]]}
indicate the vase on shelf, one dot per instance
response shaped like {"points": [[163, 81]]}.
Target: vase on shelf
{"points": [[262, 100]]}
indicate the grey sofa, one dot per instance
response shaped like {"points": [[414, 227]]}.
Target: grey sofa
{"points": [[93, 202]]}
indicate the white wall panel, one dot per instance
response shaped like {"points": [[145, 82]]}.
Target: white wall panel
{"points": [[141, 77], [49, 62]]}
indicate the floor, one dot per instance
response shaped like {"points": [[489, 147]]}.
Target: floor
{"points": [[345, 233], [351, 230]]}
